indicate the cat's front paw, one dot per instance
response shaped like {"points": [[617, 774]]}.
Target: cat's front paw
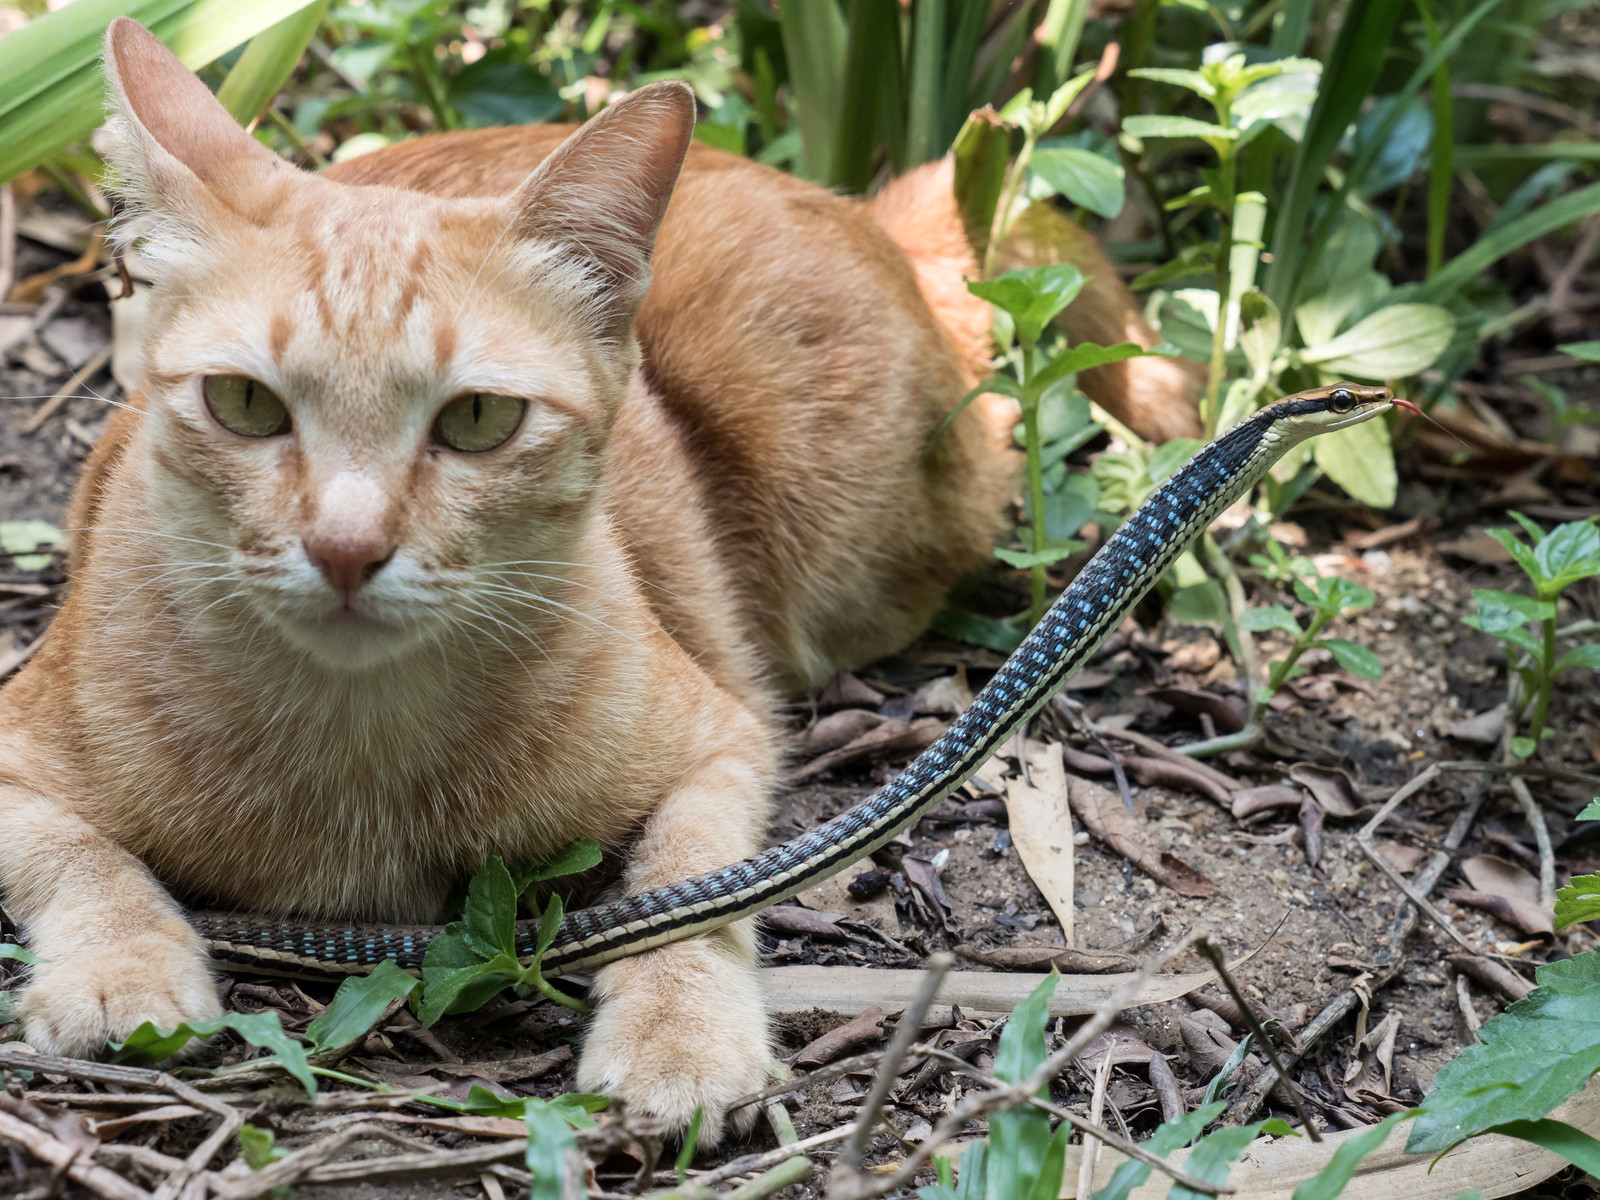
{"points": [[680, 1028], [77, 1002]]}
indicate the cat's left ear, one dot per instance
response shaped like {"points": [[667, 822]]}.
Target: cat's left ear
{"points": [[591, 210], [180, 158]]}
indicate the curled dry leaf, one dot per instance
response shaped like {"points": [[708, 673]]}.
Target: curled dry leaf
{"points": [[924, 876], [1227, 711], [1112, 824], [1404, 859], [1505, 891], [1249, 801], [1311, 819], [1154, 772], [844, 690], [835, 730], [792, 919], [863, 1030], [1041, 830], [892, 735], [947, 696], [1335, 792]]}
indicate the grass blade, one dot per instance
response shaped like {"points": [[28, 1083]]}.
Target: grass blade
{"points": [[1496, 244], [925, 83], [1290, 35], [1058, 44], [1441, 165], [268, 61], [54, 93], [871, 91], [814, 39]]}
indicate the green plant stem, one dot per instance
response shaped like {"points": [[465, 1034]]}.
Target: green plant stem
{"points": [[554, 993], [1547, 671], [1034, 446], [1227, 169], [1244, 645], [1245, 738], [1008, 198]]}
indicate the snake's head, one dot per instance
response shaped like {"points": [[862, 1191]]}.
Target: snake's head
{"points": [[1336, 406]]}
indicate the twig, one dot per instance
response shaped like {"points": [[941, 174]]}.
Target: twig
{"points": [[102, 1181], [1091, 1146], [1541, 836], [905, 1032], [1213, 951], [767, 1158], [845, 1066]]}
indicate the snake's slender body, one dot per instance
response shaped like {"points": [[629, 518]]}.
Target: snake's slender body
{"points": [[1082, 617]]}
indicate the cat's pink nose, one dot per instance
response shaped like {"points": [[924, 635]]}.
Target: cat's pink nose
{"points": [[348, 564]]}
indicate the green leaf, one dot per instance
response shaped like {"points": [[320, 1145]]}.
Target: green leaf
{"points": [[1523, 747], [8, 1008], [1402, 339], [259, 1029], [1358, 660], [1582, 351], [1577, 1147], [1177, 127], [490, 917], [1003, 384], [1083, 177], [1521, 553], [53, 89], [1171, 455], [1085, 356], [1193, 80], [1026, 559], [1462, 270], [1591, 811], [357, 1005], [1169, 1136], [1213, 1156], [1271, 616], [814, 44], [1527, 1061], [257, 1149], [1330, 1182], [1579, 901], [1032, 296], [966, 626], [1581, 656], [1527, 606], [576, 856], [1568, 553], [1341, 597], [1022, 1047], [18, 954], [503, 88], [691, 1139], [16, 537], [550, 1137], [1360, 460]]}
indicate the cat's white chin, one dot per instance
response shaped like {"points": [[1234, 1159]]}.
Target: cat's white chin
{"points": [[346, 641]]}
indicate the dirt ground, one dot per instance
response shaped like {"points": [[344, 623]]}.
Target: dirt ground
{"points": [[1329, 920]]}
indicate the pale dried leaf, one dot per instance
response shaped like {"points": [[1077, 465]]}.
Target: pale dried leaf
{"points": [[1041, 831]]}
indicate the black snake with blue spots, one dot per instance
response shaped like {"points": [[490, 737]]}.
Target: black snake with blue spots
{"points": [[1110, 584]]}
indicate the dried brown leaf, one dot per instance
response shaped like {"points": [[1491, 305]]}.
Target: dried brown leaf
{"points": [[1109, 821], [1041, 830]]}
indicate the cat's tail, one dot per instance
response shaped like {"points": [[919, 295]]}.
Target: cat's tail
{"points": [[1155, 397]]}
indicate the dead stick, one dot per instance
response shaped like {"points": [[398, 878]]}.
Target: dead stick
{"points": [[1097, 1105], [102, 1181], [1541, 832], [905, 1032], [1213, 951]]}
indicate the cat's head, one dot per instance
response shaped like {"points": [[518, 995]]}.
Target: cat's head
{"points": [[370, 412]]}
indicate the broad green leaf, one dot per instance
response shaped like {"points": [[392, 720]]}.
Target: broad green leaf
{"points": [[18, 954], [1527, 1061], [1591, 811], [1574, 1145], [1022, 1046], [1026, 559], [573, 1107], [1169, 1136], [1213, 1156], [259, 1029], [1579, 901], [1568, 553], [1087, 355], [550, 1137], [1330, 1182], [16, 537], [503, 88], [1083, 177], [463, 988], [490, 916], [1032, 296], [1581, 656], [357, 1005], [967, 626], [1360, 460], [257, 1149], [1177, 127], [576, 856], [1523, 747], [1531, 609], [1171, 455], [1271, 616], [1583, 351], [1341, 596], [1193, 80], [1521, 553], [52, 89], [1356, 659], [1068, 507], [981, 152], [1399, 340], [1199, 604]]}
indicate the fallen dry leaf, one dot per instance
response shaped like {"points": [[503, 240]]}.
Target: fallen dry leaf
{"points": [[863, 1030], [1332, 788], [1038, 958], [1505, 891], [1404, 859], [1249, 801], [835, 730], [947, 696], [844, 690], [891, 735], [1109, 821], [1041, 830], [924, 876], [791, 918], [1227, 711], [1482, 730]]}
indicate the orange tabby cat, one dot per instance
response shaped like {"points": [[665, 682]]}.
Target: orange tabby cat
{"points": [[407, 554]]}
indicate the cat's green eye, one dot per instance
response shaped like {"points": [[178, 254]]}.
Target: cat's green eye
{"points": [[478, 421], [245, 406]]}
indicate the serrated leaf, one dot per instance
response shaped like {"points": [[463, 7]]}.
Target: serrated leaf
{"points": [[1033, 296], [1193, 80], [576, 856], [1168, 1136], [1579, 901], [1399, 340], [1271, 616], [490, 916], [1356, 659], [1361, 461], [259, 1029], [1521, 553], [1083, 177], [357, 1005], [1330, 1182], [1527, 1061]]}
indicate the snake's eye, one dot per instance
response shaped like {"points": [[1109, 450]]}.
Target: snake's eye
{"points": [[1341, 400], [478, 421], [244, 406]]}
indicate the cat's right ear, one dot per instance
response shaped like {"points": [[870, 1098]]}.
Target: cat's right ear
{"points": [[178, 155]]}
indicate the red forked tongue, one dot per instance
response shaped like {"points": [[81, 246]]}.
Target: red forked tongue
{"points": [[1406, 404]]}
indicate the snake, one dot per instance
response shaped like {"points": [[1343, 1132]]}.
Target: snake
{"points": [[1115, 579]]}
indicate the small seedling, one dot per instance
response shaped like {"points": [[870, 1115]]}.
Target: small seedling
{"points": [[1526, 626], [1327, 598]]}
